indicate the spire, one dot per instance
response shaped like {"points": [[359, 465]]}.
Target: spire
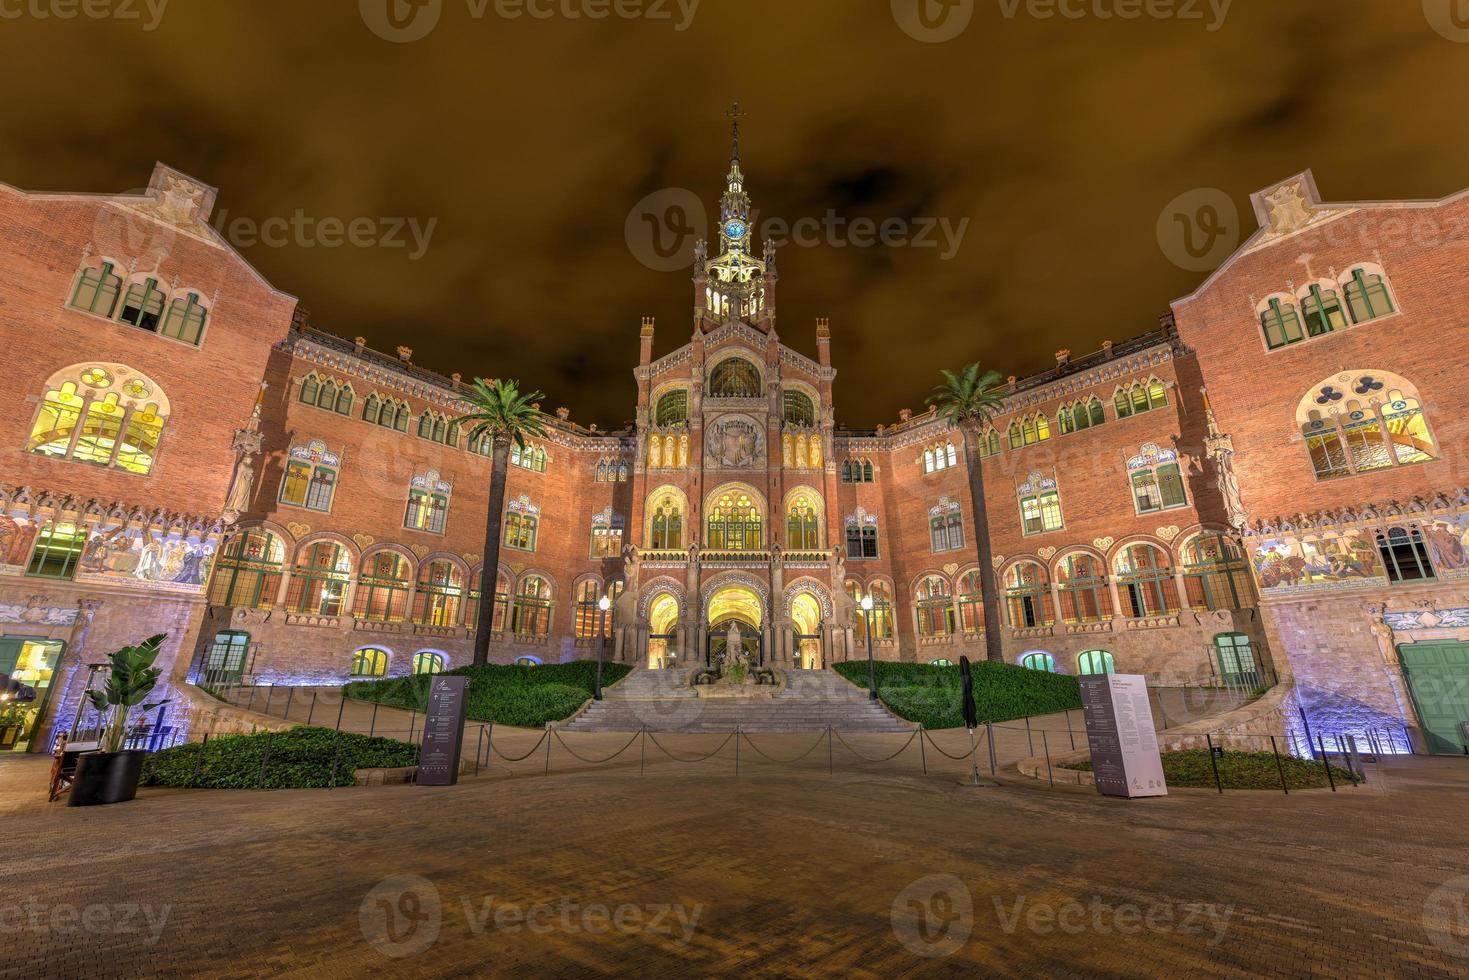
{"points": [[735, 114], [736, 287]]}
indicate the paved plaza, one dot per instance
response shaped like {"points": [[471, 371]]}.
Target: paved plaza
{"points": [[689, 869]]}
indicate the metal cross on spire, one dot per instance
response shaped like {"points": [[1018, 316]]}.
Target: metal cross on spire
{"points": [[735, 114]]}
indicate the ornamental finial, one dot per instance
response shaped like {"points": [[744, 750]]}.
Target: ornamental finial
{"points": [[735, 114]]}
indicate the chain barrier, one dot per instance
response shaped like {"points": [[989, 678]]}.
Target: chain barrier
{"points": [[784, 762], [519, 758], [595, 762], [691, 761], [889, 758]]}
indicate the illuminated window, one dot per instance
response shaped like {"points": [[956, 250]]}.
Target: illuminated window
{"points": [[1140, 397], [1040, 505], [142, 306], [57, 550], [1322, 310], [428, 662], [946, 526], [861, 535], [934, 607], [97, 290], [589, 611], [673, 407], [247, 572], [522, 524], [1404, 555], [106, 415], [370, 662], [803, 524], [606, 535], [858, 471], [428, 503], [1081, 415], [319, 580], [224, 660], [1095, 662], [1281, 323], [940, 457], [1038, 660], [532, 613], [666, 525], [1145, 582], [1368, 296], [1214, 574], [439, 595], [1081, 581], [735, 524], [611, 471], [1028, 596], [528, 457], [735, 377], [798, 409], [1157, 481], [971, 603], [1359, 423], [382, 588], [310, 479]]}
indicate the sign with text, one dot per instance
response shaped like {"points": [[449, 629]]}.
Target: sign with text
{"points": [[443, 731], [1121, 736]]}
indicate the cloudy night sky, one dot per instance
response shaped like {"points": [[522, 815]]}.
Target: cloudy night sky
{"points": [[526, 145]]}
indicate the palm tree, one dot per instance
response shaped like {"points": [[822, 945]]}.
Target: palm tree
{"points": [[967, 401], [505, 415]]}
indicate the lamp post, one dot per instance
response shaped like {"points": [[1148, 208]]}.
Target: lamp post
{"points": [[871, 669], [604, 606]]}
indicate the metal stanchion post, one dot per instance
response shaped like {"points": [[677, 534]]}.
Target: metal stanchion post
{"points": [[830, 770], [990, 733], [290, 693], [1046, 744], [922, 753], [643, 751], [312, 710], [372, 727], [1285, 787], [1214, 761], [1326, 763]]}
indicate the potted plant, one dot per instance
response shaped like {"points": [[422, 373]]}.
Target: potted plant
{"points": [[110, 775], [14, 717]]}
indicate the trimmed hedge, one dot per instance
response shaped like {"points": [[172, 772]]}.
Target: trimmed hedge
{"points": [[300, 757], [1241, 770], [506, 694], [932, 695]]}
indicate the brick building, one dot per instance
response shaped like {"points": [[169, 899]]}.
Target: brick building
{"points": [[1136, 518]]}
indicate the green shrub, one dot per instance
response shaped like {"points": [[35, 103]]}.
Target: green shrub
{"points": [[299, 757], [1241, 770], [506, 694], [933, 696]]}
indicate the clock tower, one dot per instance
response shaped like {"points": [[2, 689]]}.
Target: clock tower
{"points": [[735, 285]]}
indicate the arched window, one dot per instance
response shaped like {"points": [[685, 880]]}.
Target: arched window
{"points": [[522, 524], [1095, 662], [1359, 422], [735, 377], [370, 662], [319, 580], [940, 457], [1281, 323], [310, 389], [1237, 667], [1028, 596], [499, 612], [589, 611], [1087, 413], [142, 306], [934, 607], [428, 503], [1038, 660], [861, 535], [882, 610], [401, 421], [1368, 295], [185, 319], [1081, 581], [673, 407], [532, 612], [372, 409], [1140, 397], [1157, 481], [382, 588], [1214, 575], [97, 290], [103, 414], [1322, 310], [946, 526], [481, 444], [971, 603], [803, 524], [426, 425], [735, 524], [528, 457], [57, 550], [310, 478], [428, 662], [1063, 420], [247, 572], [989, 444], [1016, 436], [343, 403], [666, 526], [439, 595], [1040, 505], [1404, 555], [1145, 581], [798, 408]]}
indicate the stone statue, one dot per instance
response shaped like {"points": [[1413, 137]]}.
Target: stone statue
{"points": [[247, 445], [1219, 448]]}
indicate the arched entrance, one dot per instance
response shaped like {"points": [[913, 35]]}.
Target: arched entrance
{"points": [[662, 631], [731, 605], [806, 622]]}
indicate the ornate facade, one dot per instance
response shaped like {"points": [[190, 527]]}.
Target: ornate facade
{"points": [[1261, 487]]}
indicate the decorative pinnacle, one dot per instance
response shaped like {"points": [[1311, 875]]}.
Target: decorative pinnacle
{"points": [[735, 114]]}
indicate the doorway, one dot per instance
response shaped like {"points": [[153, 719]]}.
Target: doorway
{"points": [[30, 661], [1438, 678], [806, 626]]}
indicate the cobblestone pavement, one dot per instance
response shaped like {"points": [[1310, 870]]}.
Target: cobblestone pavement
{"points": [[690, 870]]}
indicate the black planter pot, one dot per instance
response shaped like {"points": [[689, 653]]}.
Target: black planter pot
{"points": [[106, 777]]}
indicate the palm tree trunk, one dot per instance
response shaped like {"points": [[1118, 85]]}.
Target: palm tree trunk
{"points": [[489, 577], [988, 581]]}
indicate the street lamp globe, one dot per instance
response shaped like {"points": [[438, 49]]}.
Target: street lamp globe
{"points": [[604, 603], [867, 603]]}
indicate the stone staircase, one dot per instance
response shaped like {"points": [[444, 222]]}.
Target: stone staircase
{"points": [[664, 700]]}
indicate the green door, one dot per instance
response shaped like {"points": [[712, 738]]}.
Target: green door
{"points": [[1438, 676]]}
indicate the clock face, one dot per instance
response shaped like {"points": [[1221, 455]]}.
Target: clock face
{"points": [[735, 229]]}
